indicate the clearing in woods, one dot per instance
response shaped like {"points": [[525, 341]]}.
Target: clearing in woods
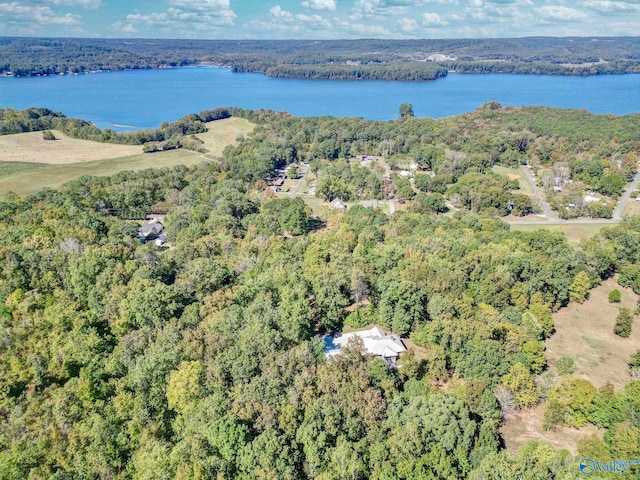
{"points": [[584, 332], [29, 163]]}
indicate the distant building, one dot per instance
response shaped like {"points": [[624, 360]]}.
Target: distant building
{"points": [[374, 340]]}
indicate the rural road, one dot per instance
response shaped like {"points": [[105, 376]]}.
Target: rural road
{"points": [[546, 209], [553, 218], [303, 172], [617, 213]]}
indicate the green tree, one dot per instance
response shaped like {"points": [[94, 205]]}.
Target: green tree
{"points": [[185, 386], [615, 296], [624, 322], [405, 111], [579, 289], [519, 380]]}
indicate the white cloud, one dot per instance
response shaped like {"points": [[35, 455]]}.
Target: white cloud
{"points": [[611, 6], [320, 4], [407, 24], [560, 13], [15, 13], [431, 19], [88, 4], [186, 16], [277, 11], [123, 27]]}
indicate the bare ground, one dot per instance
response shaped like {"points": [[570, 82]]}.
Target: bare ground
{"points": [[32, 148], [585, 333], [528, 426]]}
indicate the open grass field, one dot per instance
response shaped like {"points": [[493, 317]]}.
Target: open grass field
{"points": [[515, 174], [585, 333], [224, 132], [24, 178], [575, 232], [29, 163], [32, 148]]}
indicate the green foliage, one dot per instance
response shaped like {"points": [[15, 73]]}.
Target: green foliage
{"points": [[624, 322], [519, 380], [571, 402], [566, 365], [48, 135], [405, 111], [615, 296], [579, 289]]}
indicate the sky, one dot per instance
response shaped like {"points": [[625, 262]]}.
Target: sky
{"points": [[319, 19]]}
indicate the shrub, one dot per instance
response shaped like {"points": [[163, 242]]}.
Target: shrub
{"points": [[48, 135], [566, 365], [623, 323], [615, 296]]}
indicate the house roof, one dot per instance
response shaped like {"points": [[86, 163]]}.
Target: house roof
{"points": [[375, 342], [147, 229]]}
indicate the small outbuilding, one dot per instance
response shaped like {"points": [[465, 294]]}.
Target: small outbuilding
{"points": [[338, 204]]}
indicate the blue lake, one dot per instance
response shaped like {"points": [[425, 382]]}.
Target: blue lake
{"points": [[145, 98]]}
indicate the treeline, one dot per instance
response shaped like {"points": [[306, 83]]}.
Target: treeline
{"points": [[539, 55], [407, 71], [168, 135], [538, 68]]}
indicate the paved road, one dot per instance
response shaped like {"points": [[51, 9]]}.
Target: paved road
{"points": [[303, 173], [626, 196], [546, 209], [553, 219]]}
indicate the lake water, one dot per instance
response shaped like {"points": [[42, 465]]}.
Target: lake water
{"points": [[145, 98]]}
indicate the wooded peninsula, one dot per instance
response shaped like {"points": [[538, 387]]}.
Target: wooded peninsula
{"points": [[414, 60]]}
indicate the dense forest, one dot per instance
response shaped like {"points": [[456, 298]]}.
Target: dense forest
{"points": [[332, 59], [201, 358]]}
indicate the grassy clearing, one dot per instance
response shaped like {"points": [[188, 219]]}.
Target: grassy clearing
{"points": [[585, 333], [631, 208], [224, 132], [32, 148], [575, 232], [528, 426], [515, 173], [29, 178]]}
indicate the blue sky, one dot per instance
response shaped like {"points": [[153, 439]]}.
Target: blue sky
{"points": [[262, 19]]}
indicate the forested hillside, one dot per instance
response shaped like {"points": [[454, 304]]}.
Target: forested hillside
{"points": [[201, 358], [331, 59]]}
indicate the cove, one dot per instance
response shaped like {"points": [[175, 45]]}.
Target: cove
{"points": [[145, 98]]}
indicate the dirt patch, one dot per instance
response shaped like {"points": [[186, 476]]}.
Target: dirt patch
{"points": [[585, 333], [32, 148], [513, 176], [528, 426]]}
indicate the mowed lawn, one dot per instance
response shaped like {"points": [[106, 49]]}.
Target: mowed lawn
{"points": [[24, 178], [515, 174]]}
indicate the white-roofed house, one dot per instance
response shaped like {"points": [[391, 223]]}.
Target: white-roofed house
{"points": [[374, 341]]}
